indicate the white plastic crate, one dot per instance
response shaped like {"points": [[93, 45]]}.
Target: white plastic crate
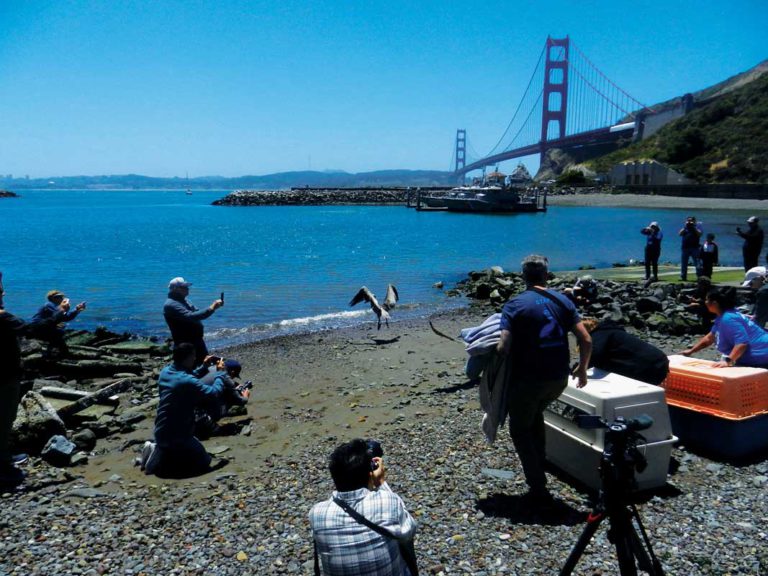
{"points": [[577, 451]]}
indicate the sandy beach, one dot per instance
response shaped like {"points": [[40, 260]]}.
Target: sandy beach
{"points": [[404, 386], [651, 201]]}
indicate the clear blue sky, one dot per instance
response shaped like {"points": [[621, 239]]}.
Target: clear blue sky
{"points": [[223, 87]]}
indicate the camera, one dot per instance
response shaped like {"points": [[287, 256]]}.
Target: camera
{"points": [[245, 386], [374, 451], [621, 455]]}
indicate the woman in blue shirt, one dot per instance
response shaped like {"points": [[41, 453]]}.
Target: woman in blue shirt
{"points": [[740, 341]]}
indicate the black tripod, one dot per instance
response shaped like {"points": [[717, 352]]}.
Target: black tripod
{"points": [[619, 461]]}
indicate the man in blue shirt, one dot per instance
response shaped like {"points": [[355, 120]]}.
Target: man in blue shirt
{"points": [[57, 306], [534, 332], [177, 453], [654, 236]]}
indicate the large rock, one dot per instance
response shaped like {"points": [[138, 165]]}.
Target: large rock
{"points": [[85, 440], [648, 304], [58, 451], [35, 423]]}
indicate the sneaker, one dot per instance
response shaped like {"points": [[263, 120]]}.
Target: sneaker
{"points": [[146, 453], [17, 459]]}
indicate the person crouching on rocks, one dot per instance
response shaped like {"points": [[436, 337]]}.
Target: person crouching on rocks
{"points": [[58, 306], [584, 291], [176, 452], [233, 394]]}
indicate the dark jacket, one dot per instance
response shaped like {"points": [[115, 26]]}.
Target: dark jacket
{"points": [[11, 328], [615, 350], [180, 393], [184, 320], [50, 310]]}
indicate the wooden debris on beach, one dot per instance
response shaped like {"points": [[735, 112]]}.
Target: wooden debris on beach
{"points": [[96, 397]]}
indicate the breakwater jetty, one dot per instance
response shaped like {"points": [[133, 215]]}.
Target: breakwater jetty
{"points": [[320, 196]]}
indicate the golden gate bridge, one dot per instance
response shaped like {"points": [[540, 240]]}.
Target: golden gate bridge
{"points": [[569, 103]]}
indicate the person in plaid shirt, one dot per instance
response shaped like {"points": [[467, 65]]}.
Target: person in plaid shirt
{"points": [[346, 547]]}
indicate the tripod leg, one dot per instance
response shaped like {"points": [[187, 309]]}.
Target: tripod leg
{"points": [[593, 522], [644, 554]]}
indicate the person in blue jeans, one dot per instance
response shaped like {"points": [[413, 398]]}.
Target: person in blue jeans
{"points": [[740, 341], [690, 235]]}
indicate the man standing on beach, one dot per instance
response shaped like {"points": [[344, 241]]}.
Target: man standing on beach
{"points": [[753, 242], [185, 320], [11, 328], [344, 544], [534, 332], [654, 236], [690, 234]]}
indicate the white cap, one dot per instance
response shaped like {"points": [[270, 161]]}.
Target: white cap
{"points": [[752, 274], [653, 225], [752, 219], [178, 282]]}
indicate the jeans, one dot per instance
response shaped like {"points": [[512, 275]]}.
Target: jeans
{"points": [[693, 254], [179, 461], [652, 254], [9, 404], [527, 401]]}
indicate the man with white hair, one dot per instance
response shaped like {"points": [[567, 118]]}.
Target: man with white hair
{"points": [[184, 320], [755, 280]]}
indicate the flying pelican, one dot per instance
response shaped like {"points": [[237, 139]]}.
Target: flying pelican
{"points": [[381, 311]]}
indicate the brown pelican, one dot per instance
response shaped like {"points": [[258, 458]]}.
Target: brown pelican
{"points": [[381, 311]]}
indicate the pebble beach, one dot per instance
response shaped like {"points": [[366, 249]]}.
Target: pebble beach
{"points": [[404, 386]]}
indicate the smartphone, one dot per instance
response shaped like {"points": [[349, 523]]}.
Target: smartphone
{"points": [[222, 298]]}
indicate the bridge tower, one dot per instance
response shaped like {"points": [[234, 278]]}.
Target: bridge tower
{"points": [[555, 104], [460, 158]]}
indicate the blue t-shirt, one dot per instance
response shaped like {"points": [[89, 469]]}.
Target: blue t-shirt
{"points": [[733, 328], [539, 329]]}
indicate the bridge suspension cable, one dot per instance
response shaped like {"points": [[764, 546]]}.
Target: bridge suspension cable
{"points": [[520, 104]]}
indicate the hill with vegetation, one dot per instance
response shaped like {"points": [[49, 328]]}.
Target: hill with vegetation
{"points": [[281, 180], [724, 139]]}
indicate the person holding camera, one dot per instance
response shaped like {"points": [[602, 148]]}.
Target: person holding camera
{"points": [[753, 242], [364, 527], [176, 452], [690, 235], [58, 306], [184, 320], [654, 236], [233, 394], [534, 334]]}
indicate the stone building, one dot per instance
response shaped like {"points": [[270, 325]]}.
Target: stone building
{"points": [[645, 173]]}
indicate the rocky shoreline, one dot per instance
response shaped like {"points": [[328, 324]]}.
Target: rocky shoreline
{"points": [[405, 387]]}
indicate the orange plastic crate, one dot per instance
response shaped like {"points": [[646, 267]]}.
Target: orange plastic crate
{"points": [[735, 392]]}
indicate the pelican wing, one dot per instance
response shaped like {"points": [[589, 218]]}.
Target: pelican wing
{"points": [[392, 297], [363, 295]]}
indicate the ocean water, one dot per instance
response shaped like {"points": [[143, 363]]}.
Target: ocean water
{"points": [[290, 268]]}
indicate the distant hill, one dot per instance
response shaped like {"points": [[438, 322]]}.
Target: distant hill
{"points": [[724, 139], [280, 180]]}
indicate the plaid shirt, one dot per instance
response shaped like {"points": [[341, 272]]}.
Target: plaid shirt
{"points": [[347, 548]]}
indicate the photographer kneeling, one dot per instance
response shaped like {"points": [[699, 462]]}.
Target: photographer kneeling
{"points": [[346, 541], [208, 415], [177, 453]]}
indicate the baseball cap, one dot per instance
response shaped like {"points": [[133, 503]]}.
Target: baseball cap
{"points": [[232, 367], [54, 294], [752, 219], [753, 273], [653, 225], [178, 282]]}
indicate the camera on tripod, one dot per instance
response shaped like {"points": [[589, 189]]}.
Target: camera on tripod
{"points": [[621, 458], [621, 455]]}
